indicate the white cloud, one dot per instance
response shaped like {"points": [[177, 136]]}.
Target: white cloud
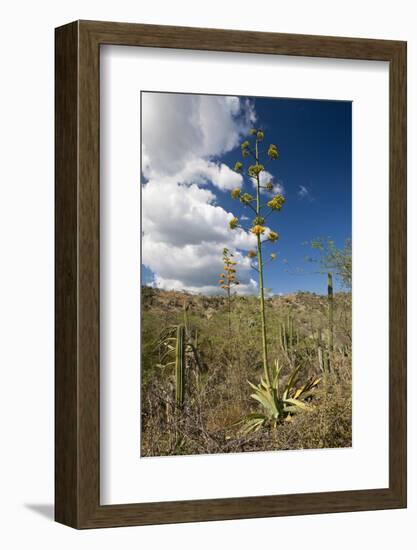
{"points": [[179, 214], [192, 267], [303, 192], [177, 128], [202, 171], [266, 177], [172, 284], [184, 230]]}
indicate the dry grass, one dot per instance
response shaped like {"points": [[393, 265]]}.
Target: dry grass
{"points": [[217, 394]]}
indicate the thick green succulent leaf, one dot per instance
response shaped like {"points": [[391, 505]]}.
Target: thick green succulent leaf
{"points": [[264, 384], [253, 386], [252, 422], [297, 403], [265, 402], [291, 382]]}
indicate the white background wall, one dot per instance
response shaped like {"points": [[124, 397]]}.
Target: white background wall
{"points": [[26, 271]]}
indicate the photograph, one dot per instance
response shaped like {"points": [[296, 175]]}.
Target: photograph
{"points": [[246, 275], [209, 263]]}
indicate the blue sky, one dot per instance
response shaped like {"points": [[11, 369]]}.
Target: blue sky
{"points": [[314, 170]]}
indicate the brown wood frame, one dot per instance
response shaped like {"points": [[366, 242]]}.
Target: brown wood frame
{"points": [[77, 406]]}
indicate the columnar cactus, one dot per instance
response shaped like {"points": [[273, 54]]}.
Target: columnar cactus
{"points": [[330, 314], [288, 334], [180, 365]]}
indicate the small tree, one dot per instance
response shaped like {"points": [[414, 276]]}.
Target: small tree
{"points": [[228, 280], [336, 260], [252, 147]]}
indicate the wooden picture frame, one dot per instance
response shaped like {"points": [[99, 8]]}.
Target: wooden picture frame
{"points": [[77, 382]]}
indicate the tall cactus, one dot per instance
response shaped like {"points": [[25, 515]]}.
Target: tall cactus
{"points": [[288, 334], [322, 356], [330, 305], [180, 366]]}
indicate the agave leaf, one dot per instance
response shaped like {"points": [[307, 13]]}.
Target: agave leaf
{"points": [[264, 402], [291, 409], [297, 403], [267, 401], [267, 393], [264, 384], [277, 367], [291, 382], [308, 394], [299, 391], [252, 426], [309, 389], [275, 381], [253, 421], [249, 416], [277, 404], [255, 416], [316, 381]]}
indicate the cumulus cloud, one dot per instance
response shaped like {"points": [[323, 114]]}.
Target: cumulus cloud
{"points": [[178, 214], [202, 171], [266, 177], [194, 268], [184, 230], [177, 128]]}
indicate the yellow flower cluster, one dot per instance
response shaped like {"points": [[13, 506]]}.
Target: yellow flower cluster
{"points": [[235, 193], [273, 236], [245, 148], [259, 220], [228, 278], [251, 254], [273, 152], [276, 203], [258, 230], [255, 169], [269, 186], [233, 223], [259, 135], [246, 198], [238, 166], [273, 256]]}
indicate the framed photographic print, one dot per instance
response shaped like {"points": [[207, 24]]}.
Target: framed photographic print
{"points": [[230, 274]]}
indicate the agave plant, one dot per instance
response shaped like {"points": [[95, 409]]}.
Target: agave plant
{"points": [[228, 280], [276, 404], [257, 175]]}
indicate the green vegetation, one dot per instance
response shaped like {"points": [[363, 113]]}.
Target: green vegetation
{"points": [[251, 148], [297, 346], [228, 280], [217, 368], [336, 260]]}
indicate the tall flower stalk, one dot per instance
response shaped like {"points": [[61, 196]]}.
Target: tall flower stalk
{"points": [[228, 280], [252, 147]]}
